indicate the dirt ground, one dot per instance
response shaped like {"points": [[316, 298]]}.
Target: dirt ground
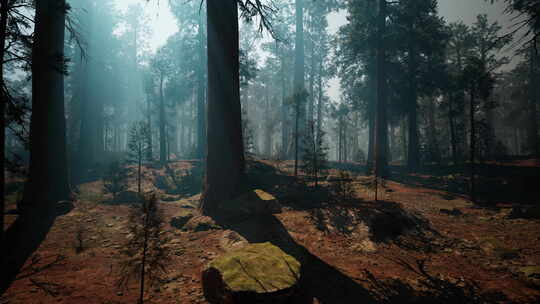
{"points": [[416, 244]]}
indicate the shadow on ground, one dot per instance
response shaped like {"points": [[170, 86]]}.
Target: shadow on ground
{"points": [[326, 283], [494, 183], [23, 238]]}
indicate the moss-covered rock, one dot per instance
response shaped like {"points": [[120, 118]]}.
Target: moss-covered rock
{"points": [[531, 274], [182, 217], [255, 273], [201, 223]]}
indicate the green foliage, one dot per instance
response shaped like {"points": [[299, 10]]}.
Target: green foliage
{"points": [[360, 156], [147, 257], [314, 154], [342, 187], [115, 179], [138, 144]]}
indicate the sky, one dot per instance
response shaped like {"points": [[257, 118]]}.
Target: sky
{"points": [[163, 24]]}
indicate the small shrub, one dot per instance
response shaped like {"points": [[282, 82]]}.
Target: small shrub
{"points": [[147, 254], [115, 179], [79, 238], [342, 186]]}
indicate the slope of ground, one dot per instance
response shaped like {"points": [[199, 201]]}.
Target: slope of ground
{"points": [[415, 245]]}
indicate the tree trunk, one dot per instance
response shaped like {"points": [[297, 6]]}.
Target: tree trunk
{"points": [[413, 159], [284, 110], [48, 173], [299, 79], [149, 120], [432, 133], [3, 101], [162, 140], [225, 149], [381, 136], [472, 146], [452, 129], [311, 106], [201, 113], [533, 121], [320, 104]]}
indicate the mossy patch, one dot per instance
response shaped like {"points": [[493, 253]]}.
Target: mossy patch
{"points": [[531, 274], [260, 268], [498, 248]]}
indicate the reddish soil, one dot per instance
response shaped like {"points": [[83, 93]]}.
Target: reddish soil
{"points": [[460, 253]]}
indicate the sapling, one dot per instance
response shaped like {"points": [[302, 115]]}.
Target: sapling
{"points": [[115, 179], [147, 256], [138, 147], [314, 152]]}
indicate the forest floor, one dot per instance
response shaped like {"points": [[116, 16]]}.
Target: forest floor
{"points": [[422, 242]]}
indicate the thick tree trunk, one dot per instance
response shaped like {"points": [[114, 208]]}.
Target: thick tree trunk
{"points": [[284, 110], [381, 136], [162, 139], [91, 132], [3, 100], [299, 81], [311, 105], [533, 117], [48, 173], [201, 113], [432, 133], [472, 146], [413, 159], [225, 150]]}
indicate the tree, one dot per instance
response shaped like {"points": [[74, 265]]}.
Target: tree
{"points": [[148, 256], [115, 179], [423, 36], [532, 130], [3, 98], [191, 15], [225, 150], [160, 64], [300, 93], [487, 44], [314, 154], [459, 49], [48, 173], [138, 147], [381, 161]]}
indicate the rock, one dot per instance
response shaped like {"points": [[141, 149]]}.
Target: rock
{"points": [[181, 219], [531, 274], [170, 198], [252, 203], [232, 240], [255, 273], [453, 212], [525, 212], [128, 197], [201, 223]]}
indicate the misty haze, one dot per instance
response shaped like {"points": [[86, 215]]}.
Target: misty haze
{"points": [[269, 151]]}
